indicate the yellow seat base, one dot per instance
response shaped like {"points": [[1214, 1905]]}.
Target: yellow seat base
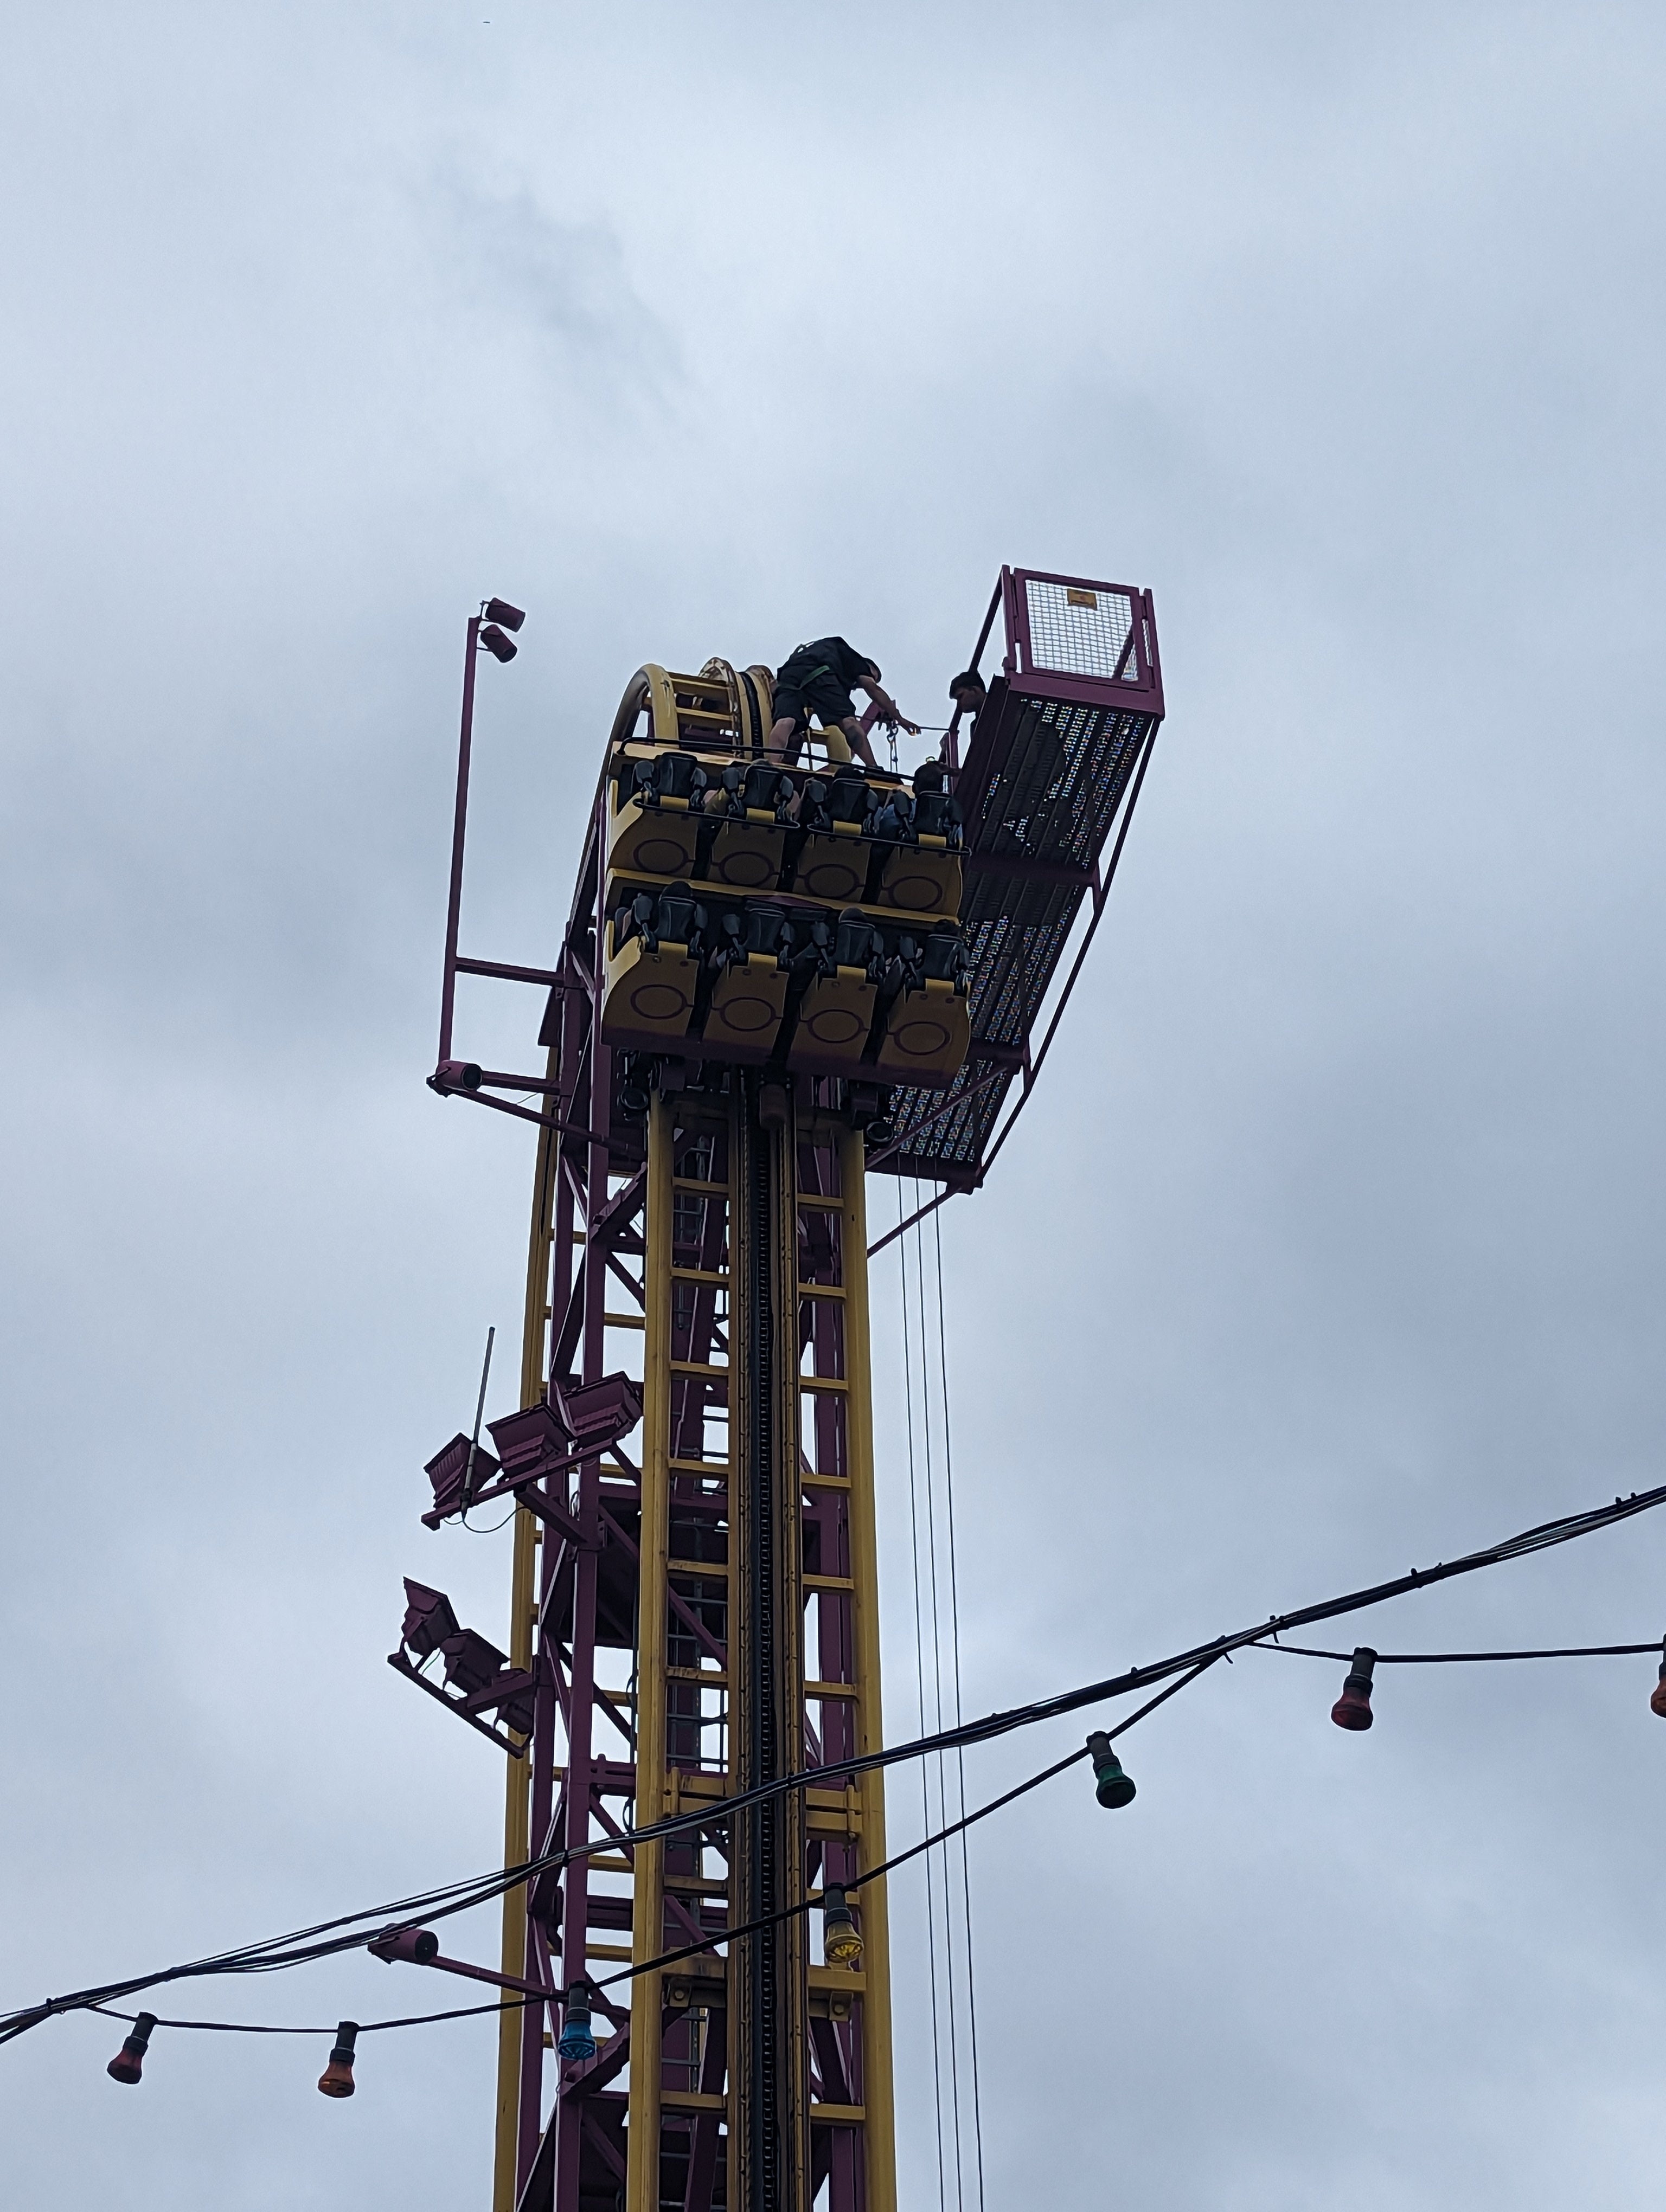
{"points": [[650, 841], [833, 868], [747, 856], [744, 1015], [835, 1017], [926, 1036], [918, 880], [649, 995]]}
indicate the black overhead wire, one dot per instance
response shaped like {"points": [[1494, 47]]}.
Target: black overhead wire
{"points": [[901, 1858], [364, 2027], [1471, 1658], [720, 1935], [300, 1946]]}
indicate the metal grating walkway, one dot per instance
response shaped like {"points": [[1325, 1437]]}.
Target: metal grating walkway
{"points": [[1047, 775]]}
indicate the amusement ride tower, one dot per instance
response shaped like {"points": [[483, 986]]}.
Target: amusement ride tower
{"points": [[773, 982]]}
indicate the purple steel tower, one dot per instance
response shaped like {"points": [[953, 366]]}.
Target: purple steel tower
{"points": [[774, 981]]}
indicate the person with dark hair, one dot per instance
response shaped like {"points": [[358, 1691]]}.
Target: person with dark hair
{"points": [[818, 679], [967, 690]]}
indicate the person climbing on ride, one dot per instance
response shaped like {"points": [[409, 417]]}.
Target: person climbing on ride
{"points": [[818, 679]]}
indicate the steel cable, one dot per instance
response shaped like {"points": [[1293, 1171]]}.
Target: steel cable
{"points": [[947, 1883], [960, 1752], [920, 1679]]}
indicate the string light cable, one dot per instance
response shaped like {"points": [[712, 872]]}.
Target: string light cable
{"points": [[1473, 1658], [688, 1950], [345, 1931]]}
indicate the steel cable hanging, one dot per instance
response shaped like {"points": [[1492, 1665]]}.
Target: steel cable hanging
{"points": [[946, 1882], [920, 1680], [960, 1749]]}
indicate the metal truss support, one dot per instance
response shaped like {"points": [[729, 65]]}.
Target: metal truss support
{"points": [[713, 1623]]}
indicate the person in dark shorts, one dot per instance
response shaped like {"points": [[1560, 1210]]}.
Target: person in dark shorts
{"points": [[818, 679]]}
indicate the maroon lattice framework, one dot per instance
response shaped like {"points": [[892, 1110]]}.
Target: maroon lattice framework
{"points": [[1048, 785]]}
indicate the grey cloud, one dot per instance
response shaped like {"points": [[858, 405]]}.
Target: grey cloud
{"points": [[1331, 1239], [564, 282]]}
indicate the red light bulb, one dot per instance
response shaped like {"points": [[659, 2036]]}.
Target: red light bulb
{"points": [[128, 2064], [337, 2079], [1352, 1709]]}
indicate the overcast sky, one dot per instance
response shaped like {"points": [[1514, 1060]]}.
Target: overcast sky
{"points": [[1332, 1240]]}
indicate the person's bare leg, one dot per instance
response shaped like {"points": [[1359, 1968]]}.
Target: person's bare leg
{"points": [[858, 736], [777, 742]]}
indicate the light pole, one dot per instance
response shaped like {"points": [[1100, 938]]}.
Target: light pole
{"points": [[486, 633]]}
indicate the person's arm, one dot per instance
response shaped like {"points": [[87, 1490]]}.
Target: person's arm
{"points": [[890, 717]]}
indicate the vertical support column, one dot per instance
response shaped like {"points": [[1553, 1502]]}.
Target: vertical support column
{"points": [[516, 1816], [648, 1893], [770, 2108], [879, 2129]]}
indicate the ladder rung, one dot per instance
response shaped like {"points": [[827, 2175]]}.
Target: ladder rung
{"points": [[839, 1980]]}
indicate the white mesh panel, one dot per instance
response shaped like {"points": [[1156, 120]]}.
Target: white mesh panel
{"points": [[1079, 630]]}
